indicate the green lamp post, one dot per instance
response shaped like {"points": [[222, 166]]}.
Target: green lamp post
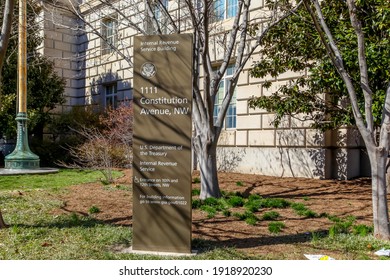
{"points": [[22, 157]]}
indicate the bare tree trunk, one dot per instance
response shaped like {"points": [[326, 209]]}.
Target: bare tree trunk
{"points": [[6, 29], [4, 39], [379, 193], [388, 175], [2, 223], [209, 173]]}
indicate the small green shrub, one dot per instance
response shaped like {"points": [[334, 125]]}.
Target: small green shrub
{"points": [[226, 212], [251, 220], [248, 217], [302, 210], [333, 218], [229, 194], [254, 197], [341, 225], [217, 204], [276, 227], [239, 215], [253, 205], [94, 210], [239, 184], [222, 204], [362, 230], [211, 201], [308, 214], [270, 216], [196, 203], [195, 192], [275, 203], [196, 180], [235, 201], [298, 206], [210, 210]]}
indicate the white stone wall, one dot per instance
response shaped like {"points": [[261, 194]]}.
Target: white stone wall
{"points": [[100, 69], [294, 148], [61, 44]]}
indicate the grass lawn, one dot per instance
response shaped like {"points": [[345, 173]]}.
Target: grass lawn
{"points": [[65, 177], [39, 231]]}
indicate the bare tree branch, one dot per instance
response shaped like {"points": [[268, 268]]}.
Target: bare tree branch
{"points": [[5, 31], [357, 25]]}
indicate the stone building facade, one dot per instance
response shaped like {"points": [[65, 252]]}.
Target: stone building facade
{"points": [[95, 56]]}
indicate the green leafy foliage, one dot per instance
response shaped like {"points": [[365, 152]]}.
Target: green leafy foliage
{"points": [[248, 207], [94, 209], [253, 197], [195, 191], [196, 203], [45, 87], [302, 210], [210, 210], [235, 201], [341, 225], [253, 205], [362, 230], [211, 205], [226, 212], [321, 96], [347, 225], [211, 201], [248, 217], [196, 180], [275, 203], [270, 215], [276, 227]]}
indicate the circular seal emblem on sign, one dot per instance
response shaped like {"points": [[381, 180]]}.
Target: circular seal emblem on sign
{"points": [[148, 70]]}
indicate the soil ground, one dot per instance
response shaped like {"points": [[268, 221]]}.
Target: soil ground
{"points": [[340, 198]]}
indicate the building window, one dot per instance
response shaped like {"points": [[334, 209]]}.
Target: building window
{"points": [[231, 114], [159, 17], [111, 96], [225, 9], [110, 34], [159, 8]]}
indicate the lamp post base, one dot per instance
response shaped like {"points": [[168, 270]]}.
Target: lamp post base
{"points": [[22, 163], [22, 157]]}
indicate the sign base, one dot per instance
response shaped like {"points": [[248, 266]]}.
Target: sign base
{"points": [[155, 253]]}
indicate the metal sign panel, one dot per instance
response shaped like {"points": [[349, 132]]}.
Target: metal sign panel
{"points": [[162, 143]]}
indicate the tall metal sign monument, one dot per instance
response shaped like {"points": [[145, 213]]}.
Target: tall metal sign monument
{"points": [[22, 157], [162, 143]]}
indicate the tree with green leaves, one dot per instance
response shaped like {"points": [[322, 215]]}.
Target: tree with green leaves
{"points": [[345, 47], [45, 87]]}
